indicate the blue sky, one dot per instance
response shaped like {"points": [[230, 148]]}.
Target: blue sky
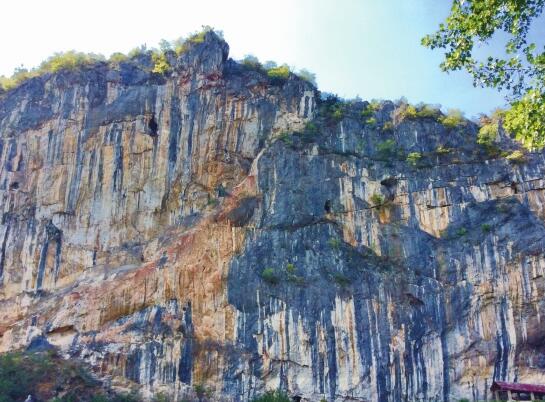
{"points": [[369, 48]]}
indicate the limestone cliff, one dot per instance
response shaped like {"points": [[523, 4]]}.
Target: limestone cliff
{"points": [[212, 228]]}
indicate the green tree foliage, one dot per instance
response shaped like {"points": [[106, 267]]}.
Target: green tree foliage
{"points": [[269, 275], [490, 128], [332, 107], [428, 111], [45, 374], [73, 60], [387, 149], [69, 61], [117, 57], [414, 158], [279, 74], [160, 63], [526, 119], [377, 199], [307, 76], [20, 374], [453, 118], [520, 71], [252, 62]]}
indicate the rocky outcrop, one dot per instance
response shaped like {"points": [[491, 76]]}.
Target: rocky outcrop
{"points": [[210, 229]]}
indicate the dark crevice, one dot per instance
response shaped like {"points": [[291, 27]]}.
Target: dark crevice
{"points": [[152, 126], [327, 206]]}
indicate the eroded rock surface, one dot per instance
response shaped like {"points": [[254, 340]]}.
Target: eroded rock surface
{"points": [[167, 230]]}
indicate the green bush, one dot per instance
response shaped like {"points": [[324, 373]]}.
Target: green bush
{"points": [[370, 109], [160, 63], [43, 373], [252, 62], [290, 269], [461, 232], [428, 111], [137, 51], [273, 396], [487, 134], [340, 279], [516, 157], [442, 150], [414, 158], [181, 45], [307, 76], [116, 58], [18, 77], [311, 128], [388, 126], [59, 61], [286, 138], [269, 275], [486, 228], [69, 61], [279, 74], [371, 121], [453, 118], [377, 199], [387, 149], [332, 108], [404, 111], [334, 243], [21, 373]]}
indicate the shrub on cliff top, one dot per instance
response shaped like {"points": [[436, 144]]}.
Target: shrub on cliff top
{"points": [[70, 60], [279, 74], [403, 111], [117, 57], [160, 63], [332, 107], [181, 45], [453, 118], [252, 62], [73, 60], [428, 111], [307, 76]]}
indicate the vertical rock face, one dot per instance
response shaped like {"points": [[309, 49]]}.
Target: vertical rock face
{"points": [[167, 230]]}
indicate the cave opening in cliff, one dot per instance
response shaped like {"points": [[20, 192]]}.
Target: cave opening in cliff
{"points": [[327, 206], [152, 126]]}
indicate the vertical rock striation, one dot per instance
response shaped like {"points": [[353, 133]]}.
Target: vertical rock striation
{"points": [[172, 232]]}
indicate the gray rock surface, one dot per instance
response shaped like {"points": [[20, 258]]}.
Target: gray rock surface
{"points": [[212, 230]]}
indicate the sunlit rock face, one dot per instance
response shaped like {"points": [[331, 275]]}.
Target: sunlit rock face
{"points": [[165, 229]]}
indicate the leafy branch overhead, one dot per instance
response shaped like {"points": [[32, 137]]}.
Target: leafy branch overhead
{"points": [[520, 70]]}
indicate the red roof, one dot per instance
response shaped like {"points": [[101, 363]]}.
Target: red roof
{"points": [[517, 387]]}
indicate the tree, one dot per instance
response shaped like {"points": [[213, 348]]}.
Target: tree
{"points": [[520, 71]]}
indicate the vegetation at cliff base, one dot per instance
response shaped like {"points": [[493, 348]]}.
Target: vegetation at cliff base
{"points": [[520, 71], [273, 396], [47, 376]]}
